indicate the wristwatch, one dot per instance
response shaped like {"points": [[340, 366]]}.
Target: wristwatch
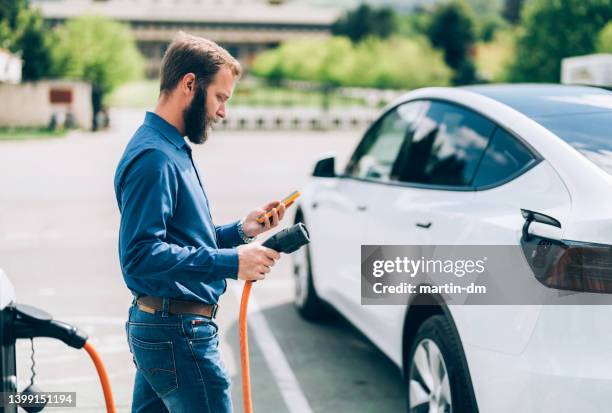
{"points": [[243, 235]]}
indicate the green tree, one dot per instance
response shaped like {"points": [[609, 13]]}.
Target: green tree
{"points": [[9, 12], [604, 39], [488, 26], [364, 21], [553, 30], [383, 63], [512, 10], [452, 30], [34, 43], [99, 51], [414, 23], [22, 31], [399, 64]]}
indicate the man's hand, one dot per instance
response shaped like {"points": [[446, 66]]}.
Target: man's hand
{"points": [[255, 261], [252, 228]]}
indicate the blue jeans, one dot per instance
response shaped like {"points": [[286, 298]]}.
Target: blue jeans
{"points": [[178, 365]]}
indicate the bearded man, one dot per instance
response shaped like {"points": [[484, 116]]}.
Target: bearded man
{"points": [[174, 260]]}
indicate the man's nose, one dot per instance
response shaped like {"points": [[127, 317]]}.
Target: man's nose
{"points": [[221, 112]]}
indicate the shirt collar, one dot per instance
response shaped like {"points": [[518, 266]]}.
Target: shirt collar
{"points": [[166, 129]]}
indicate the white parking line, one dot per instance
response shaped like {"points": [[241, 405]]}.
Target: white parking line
{"points": [[277, 362]]}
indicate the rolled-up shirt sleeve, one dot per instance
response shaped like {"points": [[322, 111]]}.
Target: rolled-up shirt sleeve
{"points": [[148, 198]]}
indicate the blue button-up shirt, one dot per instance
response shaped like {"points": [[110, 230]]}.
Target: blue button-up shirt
{"points": [[168, 244]]}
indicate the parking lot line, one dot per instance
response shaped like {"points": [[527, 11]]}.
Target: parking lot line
{"points": [[273, 354]]}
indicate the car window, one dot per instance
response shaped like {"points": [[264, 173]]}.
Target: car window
{"points": [[446, 147], [376, 154], [588, 133], [504, 158]]}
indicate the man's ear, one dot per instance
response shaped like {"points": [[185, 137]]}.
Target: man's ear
{"points": [[188, 83]]}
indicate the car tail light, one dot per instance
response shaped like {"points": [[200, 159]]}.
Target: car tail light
{"points": [[570, 265]]}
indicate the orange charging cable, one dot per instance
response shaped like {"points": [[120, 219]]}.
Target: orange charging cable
{"points": [[106, 387], [244, 348]]}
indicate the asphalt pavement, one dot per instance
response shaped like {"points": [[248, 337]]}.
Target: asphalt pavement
{"points": [[58, 245]]}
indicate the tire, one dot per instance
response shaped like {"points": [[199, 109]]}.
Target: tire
{"points": [[307, 302], [436, 374]]}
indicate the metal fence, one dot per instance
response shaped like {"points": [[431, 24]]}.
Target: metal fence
{"points": [[305, 118]]}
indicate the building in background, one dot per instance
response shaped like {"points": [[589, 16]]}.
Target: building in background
{"points": [[244, 27], [10, 67]]}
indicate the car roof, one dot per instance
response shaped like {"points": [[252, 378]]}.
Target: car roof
{"points": [[544, 100]]}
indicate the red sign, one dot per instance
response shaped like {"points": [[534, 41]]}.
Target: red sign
{"points": [[60, 96]]}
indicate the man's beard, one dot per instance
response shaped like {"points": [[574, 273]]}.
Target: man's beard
{"points": [[197, 122]]}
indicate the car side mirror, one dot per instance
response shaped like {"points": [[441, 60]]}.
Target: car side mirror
{"points": [[325, 168]]}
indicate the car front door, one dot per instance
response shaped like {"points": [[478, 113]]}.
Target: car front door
{"points": [[343, 205]]}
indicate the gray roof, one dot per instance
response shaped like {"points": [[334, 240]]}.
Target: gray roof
{"points": [[547, 100], [200, 11]]}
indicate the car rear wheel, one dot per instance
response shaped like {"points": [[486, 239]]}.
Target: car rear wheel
{"points": [[437, 376]]}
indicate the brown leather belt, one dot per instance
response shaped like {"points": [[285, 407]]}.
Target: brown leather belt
{"points": [[150, 304]]}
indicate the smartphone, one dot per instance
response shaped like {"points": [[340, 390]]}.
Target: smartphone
{"points": [[288, 201]]}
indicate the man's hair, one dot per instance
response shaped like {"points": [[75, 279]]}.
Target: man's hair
{"points": [[197, 55]]}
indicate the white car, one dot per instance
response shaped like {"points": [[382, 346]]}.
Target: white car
{"points": [[460, 166]]}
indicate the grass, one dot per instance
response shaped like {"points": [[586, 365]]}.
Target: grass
{"points": [[138, 94], [143, 93], [22, 134]]}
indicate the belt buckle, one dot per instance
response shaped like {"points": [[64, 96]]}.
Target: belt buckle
{"points": [[214, 311], [146, 308]]}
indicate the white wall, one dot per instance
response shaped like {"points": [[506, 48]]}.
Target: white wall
{"points": [[28, 104]]}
